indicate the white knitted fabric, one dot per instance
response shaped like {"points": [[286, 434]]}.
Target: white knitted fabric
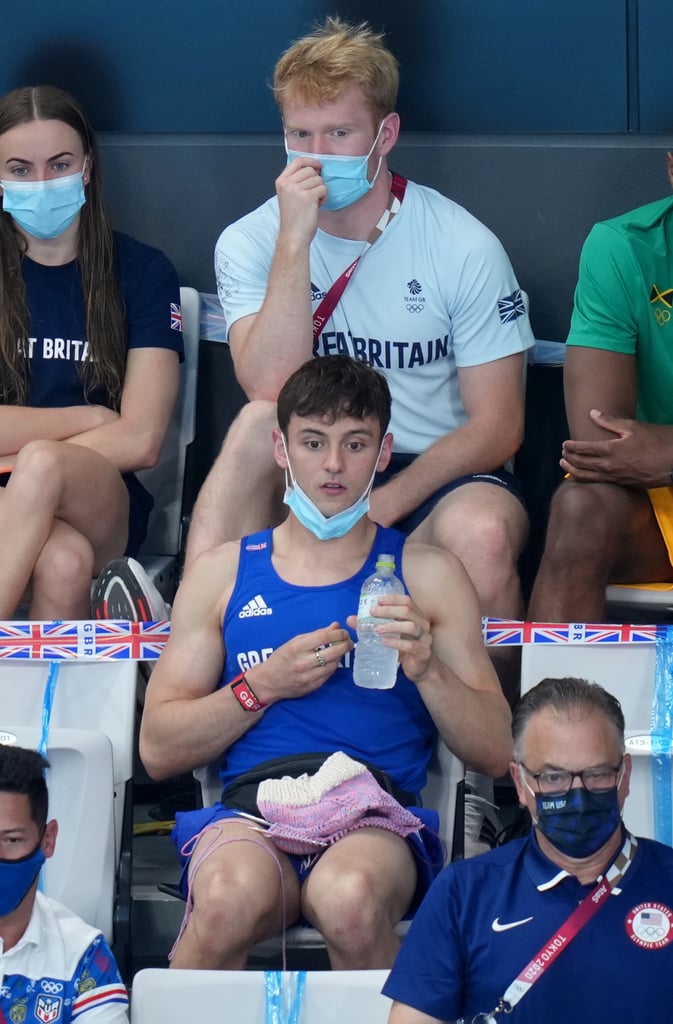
{"points": [[310, 789]]}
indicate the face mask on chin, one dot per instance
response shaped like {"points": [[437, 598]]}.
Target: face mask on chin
{"points": [[309, 515], [580, 822], [345, 177], [16, 878], [44, 209]]}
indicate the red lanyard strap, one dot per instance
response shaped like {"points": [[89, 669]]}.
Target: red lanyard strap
{"points": [[324, 311], [581, 916]]}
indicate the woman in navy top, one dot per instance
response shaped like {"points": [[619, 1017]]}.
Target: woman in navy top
{"points": [[90, 342]]}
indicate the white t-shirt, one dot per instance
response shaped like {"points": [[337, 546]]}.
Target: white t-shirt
{"points": [[60, 970], [435, 292]]}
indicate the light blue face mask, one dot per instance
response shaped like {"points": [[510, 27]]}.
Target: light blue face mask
{"points": [[44, 209], [344, 176], [309, 515]]}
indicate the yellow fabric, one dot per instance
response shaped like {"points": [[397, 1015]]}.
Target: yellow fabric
{"points": [[661, 499]]}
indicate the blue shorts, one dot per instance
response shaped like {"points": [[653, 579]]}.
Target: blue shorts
{"points": [[426, 846], [400, 461]]}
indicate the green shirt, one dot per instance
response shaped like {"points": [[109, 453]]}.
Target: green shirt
{"points": [[624, 300]]}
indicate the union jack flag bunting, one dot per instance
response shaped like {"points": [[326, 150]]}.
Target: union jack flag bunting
{"points": [[501, 633], [82, 640], [176, 317], [511, 307], [505, 632]]}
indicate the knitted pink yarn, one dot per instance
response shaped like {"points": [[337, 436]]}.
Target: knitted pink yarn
{"points": [[355, 802]]}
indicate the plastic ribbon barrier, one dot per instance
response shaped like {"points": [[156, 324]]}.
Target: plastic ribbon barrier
{"points": [[47, 705], [284, 1002], [661, 735]]}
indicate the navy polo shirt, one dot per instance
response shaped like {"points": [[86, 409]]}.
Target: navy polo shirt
{"points": [[483, 919]]}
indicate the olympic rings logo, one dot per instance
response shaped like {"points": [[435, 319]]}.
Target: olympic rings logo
{"points": [[52, 987], [662, 316], [650, 932]]}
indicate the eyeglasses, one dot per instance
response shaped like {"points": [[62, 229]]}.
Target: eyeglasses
{"points": [[558, 782]]}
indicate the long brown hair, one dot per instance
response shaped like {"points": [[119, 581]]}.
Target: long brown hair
{"points": [[104, 309]]}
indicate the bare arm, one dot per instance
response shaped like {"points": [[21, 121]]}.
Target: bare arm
{"points": [[400, 1013], [133, 440], [493, 397], [187, 721], [608, 444], [268, 346], [20, 424], [595, 378], [449, 662]]}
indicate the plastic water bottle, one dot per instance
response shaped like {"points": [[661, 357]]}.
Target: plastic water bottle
{"points": [[375, 665]]}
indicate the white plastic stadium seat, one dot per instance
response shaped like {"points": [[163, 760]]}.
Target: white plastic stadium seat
{"points": [[81, 874], [627, 671], [173, 997], [96, 696], [165, 481]]}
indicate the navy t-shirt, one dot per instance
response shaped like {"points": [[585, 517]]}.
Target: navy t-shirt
{"points": [[57, 343]]}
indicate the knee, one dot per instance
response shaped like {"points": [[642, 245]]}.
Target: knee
{"points": [[486, 542], [251, 430], [37, 468], [65, 564], [579, 521], [228, 908], [345, 908]]}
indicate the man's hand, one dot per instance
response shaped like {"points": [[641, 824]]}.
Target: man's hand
{"points": [[300, 190], [301, 665], [383, 508], [409, 633], [640, 455]]}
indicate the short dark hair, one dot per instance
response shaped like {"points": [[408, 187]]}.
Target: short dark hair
{"points": [[566, 696], [335, 386], [22, 771]]}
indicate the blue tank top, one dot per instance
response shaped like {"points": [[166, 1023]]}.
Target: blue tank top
{"points": [[391, 728]]}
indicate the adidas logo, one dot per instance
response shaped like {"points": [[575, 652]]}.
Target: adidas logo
{"points": [[252, 609]]}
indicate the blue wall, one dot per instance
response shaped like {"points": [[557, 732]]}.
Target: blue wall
{"points": [[467, 65]]}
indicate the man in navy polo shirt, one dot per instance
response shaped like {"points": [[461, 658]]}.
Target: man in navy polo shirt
{"points": [[507, 914]]}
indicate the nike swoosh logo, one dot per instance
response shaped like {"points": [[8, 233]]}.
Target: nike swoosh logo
{"points": [[497, 927]]}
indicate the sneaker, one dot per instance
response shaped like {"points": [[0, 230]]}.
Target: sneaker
{"points": [[482, 825], [124, 591]]}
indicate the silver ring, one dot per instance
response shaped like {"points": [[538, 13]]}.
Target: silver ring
{"points": [[420, 633], [321, 660]]}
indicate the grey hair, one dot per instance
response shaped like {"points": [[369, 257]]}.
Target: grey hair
{"points": [[569, 696]]}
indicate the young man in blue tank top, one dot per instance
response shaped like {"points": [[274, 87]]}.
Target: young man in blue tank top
{"points": [[259, 666]]}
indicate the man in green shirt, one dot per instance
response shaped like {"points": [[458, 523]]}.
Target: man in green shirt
{"points": [[611, 521]]}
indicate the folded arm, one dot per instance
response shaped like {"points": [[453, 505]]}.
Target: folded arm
{"points": [[608, 445], [133, 439], [20, 424]]}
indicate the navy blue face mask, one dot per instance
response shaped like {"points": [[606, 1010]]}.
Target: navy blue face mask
{"points": [[579, 822], [16, 878]]}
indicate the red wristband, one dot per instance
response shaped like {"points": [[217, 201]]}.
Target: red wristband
{"points": [[244, 694]]}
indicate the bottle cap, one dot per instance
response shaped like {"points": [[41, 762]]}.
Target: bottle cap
{"points": [[385, 560]]}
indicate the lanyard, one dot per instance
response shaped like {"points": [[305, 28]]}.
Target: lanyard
{"points": [[328, 305], [581, 916]]}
